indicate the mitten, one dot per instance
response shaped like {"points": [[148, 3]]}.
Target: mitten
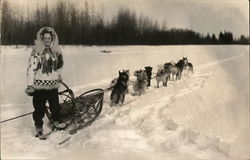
{"points": [[30, 90]]}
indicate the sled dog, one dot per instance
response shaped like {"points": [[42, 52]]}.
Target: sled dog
{"points": [[163, 74], [114, 81], [118, 92], [148, 70], [141, 82], [181, 64], [190, 68], [175, 72]]}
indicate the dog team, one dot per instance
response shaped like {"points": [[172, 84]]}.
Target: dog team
{"points": [[169, 71]]}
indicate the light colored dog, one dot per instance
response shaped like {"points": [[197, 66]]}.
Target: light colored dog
{"points": [[175, 72], [163, 74], [188, 67], [141, 82]]}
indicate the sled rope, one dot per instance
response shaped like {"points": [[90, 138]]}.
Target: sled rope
{"points": [[16, 117], [131, 82], [109, 88]]}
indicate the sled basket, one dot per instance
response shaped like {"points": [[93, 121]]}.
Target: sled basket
{"points": [[79, 111], [88, 107]]}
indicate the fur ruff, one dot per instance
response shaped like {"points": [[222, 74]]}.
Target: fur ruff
{"points": [[39, 45]]}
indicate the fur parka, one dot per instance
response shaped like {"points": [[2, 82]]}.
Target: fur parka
{"points": [[45, 63]]}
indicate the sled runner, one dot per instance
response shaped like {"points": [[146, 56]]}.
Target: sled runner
{"points": [[78, 112]]}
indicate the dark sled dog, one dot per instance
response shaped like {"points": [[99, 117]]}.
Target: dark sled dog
{"points": [[118, 93], [114, 81], [148, 70]]}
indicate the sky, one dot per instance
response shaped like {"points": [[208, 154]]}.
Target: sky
{"points": [[204, 16]]}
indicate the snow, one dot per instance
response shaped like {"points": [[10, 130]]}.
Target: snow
{"points": [[203, 116]]}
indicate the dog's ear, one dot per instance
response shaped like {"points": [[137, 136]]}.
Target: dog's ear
{"points": [[119, 72]]}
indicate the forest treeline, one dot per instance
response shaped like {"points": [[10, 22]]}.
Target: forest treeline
{"points": [[84, 26]]}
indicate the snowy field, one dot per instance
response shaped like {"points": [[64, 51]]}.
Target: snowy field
{"points": [[202, 116]]}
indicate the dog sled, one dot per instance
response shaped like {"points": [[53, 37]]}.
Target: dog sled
{"points": [[78, 112]]}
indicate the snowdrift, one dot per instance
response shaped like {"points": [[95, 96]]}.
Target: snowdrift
{"points": [[203, 116]]}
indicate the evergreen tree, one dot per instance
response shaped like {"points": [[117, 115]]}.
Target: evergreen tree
{"points": [[214, 40], [6, 23]]}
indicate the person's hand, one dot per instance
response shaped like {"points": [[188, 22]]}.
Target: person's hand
{"points": [[30, 90]]}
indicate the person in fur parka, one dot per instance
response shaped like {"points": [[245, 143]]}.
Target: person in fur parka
{"points": [[43, 74]]}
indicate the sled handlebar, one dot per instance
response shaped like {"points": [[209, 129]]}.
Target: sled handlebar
{"points": [[67, 90]]}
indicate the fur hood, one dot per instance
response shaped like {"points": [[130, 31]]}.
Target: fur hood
{"points": [[39, 45]]}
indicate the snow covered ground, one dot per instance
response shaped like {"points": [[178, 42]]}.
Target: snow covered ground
{"points": [[203, 116]]}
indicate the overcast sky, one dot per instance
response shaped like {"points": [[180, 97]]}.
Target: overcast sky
{"points": [[202, 16]]}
